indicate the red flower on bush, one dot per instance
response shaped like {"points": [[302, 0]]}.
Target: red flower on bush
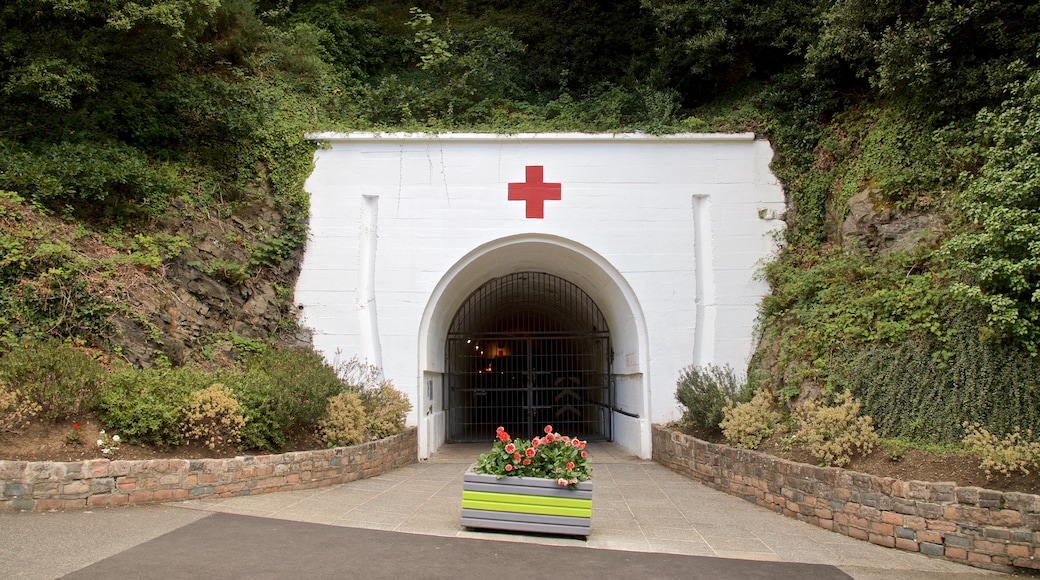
{"points": [[548, 429], [510, 448]]}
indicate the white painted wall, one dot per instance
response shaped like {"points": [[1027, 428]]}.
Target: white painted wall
{"points": [[664, 233]]}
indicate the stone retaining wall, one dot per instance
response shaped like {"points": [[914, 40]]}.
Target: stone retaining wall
{"points": [[43, 486], [982, 527]]}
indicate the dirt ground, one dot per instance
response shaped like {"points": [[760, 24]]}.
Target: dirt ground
{"points": [[49, 442]]}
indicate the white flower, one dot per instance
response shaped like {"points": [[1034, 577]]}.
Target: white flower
{"points": [[115, 438], [100, 443], [105, 450]]}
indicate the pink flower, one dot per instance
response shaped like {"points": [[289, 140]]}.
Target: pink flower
{"points": [[529, 451], [500, 429], [558, 470], [535, 442], [503, 436], [548, 438], [527, 462], [562, 481], [516, 457], [584, 454], [548, 429], [509, 467], [566, 439], [510, 448], [570, 465], [577, 443]]}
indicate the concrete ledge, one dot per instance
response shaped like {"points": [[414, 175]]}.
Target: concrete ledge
{"points": [[45, 486], [972, 525]]}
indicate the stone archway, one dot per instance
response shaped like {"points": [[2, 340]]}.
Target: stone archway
{"points": [[629, 410]]}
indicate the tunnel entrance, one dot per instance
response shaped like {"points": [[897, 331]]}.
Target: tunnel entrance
{"points": [[526, 350]]}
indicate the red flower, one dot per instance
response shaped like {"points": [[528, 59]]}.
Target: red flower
{"points": [[75, 426], [503, 436], [529, 451], [510, 448], [548, 429], [577, 443], [584, 454], [549, 438], [570, 465], [535, 442], [500, 429], [516, 457], [527, 462], [509, 467]]}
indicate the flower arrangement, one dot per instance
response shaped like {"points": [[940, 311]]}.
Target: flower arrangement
{"points": [[552, 456]]}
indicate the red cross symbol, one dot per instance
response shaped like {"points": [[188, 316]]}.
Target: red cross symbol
{"points": [[535, 192]]}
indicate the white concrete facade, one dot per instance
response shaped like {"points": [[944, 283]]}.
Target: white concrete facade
{"points": [[665, 234]]}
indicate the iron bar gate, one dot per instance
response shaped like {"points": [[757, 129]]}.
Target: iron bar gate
{"points": [[527, 350]]}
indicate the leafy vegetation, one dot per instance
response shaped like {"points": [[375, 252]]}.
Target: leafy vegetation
{"points": [[126, 127]]}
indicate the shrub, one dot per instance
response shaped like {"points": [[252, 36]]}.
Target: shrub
{"points": [[345, 422], [214, 416], [300, 383], [267, 422], [385, 410], [51, 378], [15, 409], [705, 392], [1013, 453], [923, 390], [833, 434], [747, 424], [147, 406]]}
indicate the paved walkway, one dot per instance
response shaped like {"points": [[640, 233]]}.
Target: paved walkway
{"points": [[638, 506]]}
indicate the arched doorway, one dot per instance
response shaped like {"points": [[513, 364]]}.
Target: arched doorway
{"points": [[525, 350]]}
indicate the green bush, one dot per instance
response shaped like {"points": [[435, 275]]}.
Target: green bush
{"points": [[147, 406], [57, 379], [705, 392], [924, 389], [301, 382]]}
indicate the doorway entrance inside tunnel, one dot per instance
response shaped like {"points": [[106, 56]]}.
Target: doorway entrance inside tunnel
{"points": [[526, 350]]}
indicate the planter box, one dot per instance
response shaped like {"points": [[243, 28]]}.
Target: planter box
{"points": [[526, 504]]}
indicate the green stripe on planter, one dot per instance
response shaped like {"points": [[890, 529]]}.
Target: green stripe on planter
{"points": [[527, 504]]}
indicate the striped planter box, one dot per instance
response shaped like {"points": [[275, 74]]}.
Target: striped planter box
{"points": [[526, 504]]}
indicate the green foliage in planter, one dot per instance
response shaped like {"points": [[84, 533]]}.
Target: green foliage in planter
{"points": [[704, 393], [55, 379], [147, 406]]}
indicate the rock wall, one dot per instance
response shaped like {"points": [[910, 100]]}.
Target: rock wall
{"points": [[44, 486], [986, 528]]}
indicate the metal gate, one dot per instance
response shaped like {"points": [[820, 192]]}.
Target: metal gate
{"points": [[527, 350]]}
